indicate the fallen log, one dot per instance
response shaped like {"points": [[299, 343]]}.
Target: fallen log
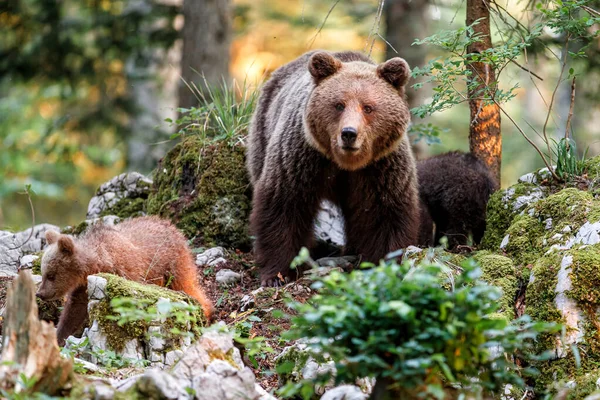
{"points": [[31, 360]]}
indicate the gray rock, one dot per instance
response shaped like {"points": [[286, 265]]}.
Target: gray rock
{"points": [[228, 277], [13, 246], [157, 384], [504, 242], [526, 200], [264, 395], [548, 222], [344, 392], [172, 357], [127, 185], [247, 302], [224, 382], [27, 261], [346, 262], [96, 287], [198, 357], [573, 317], [103, 392], [210, 256], [528, 178]]}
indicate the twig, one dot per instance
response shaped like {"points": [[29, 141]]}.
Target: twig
{"points": [[32, 219], [591, 10], [388, 43], [568, 128], [323, 24], [376, 25], [562, 70], [527, 69]]}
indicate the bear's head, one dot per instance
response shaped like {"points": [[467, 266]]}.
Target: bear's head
{"points": [[63, 267], [357, 112]]}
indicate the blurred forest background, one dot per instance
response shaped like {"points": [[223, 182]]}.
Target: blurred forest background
{"points": [[88, 87]]}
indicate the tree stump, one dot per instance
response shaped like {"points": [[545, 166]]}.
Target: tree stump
{"points": [[31, 360]]}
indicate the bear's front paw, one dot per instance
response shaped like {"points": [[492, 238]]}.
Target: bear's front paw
{"points": [[277, 279]]}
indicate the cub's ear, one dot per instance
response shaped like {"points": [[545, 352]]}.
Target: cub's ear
{"points": [[322, 65], [52, 236], [66, 245], [395, 70]]}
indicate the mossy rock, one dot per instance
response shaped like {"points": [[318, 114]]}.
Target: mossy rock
{"points": [[127, 207], [118, 335], [204, 189], [500, 271], [503, 207]]}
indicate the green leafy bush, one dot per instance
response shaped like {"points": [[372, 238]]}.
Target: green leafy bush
{"points": [[423, 332]]}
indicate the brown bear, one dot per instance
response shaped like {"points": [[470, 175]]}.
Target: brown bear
{"points": [[454, 189], [332, 126], [146, 249]]}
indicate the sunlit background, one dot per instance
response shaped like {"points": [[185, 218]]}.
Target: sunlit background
{"points": [[86, 86]]}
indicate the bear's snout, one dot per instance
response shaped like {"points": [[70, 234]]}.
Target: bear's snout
{"points": [[349, 135]]}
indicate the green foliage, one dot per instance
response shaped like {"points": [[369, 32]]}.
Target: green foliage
{"points": [[399, 324], [224, 112], [428, 132], [452, 73], [568, 163]]}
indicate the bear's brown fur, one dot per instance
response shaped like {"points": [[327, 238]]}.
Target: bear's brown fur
{"points": [[146, 249], [332, 126], [454, 189]]}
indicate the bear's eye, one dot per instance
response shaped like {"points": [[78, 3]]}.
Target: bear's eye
{"points": [[339, 107], [368, 109], [50, 277]]}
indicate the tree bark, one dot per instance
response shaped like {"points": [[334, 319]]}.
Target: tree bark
{"points": [[206, 40], [405, 21], [485, 138], [29, 345]]}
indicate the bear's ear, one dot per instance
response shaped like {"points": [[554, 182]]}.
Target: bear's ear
{"points": [[66, 245], [322, 65], [52, 236], [395, 70]]}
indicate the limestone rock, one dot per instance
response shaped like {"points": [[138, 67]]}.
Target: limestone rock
{"points": [[157, 384], [124, 196], [227, 277], [13, 246], [222, 381], [211, 257], [344, 392], [329, 225]]}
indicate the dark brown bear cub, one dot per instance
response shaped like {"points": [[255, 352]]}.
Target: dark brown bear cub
{"points": [[146, 249], [332, 126], [454, 189]]}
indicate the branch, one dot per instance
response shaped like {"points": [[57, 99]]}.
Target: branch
{"points": [[376, 25], [568, 128], [562, 70], [526, 69], [32, 219], [591, 10], [323, 24]]}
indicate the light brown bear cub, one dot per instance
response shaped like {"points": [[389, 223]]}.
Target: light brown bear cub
{"points": [[147, 249], [332, 126]]}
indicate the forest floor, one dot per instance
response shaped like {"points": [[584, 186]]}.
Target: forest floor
{"points": [[257, 320]]}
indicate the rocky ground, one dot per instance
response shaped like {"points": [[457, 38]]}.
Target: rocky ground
{"points": [[542, 247]]}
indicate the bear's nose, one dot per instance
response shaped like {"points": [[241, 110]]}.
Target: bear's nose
{"points": [[348, 136]]}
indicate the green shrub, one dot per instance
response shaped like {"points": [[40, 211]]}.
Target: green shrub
{"points": [[423, 332]]}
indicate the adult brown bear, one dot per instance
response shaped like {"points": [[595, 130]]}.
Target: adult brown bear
{"points": [[332, 126]]}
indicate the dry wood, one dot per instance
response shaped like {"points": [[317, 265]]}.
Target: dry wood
{"points": [[29, 346]]}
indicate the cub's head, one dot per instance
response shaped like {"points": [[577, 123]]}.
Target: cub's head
{"points": [[357, 112], [62, 269]]}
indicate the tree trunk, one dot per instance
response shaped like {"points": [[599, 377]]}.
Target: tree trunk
{"points": [[29, 345], [206, 39], [485, 139], [405, 21]]}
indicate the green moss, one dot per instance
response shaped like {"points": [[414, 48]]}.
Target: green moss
{"points": [[36, 265], [203, 187], [127, 207], [118, 335], [75, 230], [500, 213], [500, 271], [541, 294], [585, 276], [570, 204], [525, 239], [591, 167], [289, 365]]}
